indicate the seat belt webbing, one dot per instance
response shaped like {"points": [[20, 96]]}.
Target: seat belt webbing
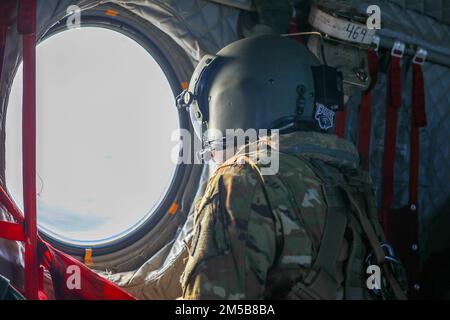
{"points": [[409, 248], [293, 30], [390, 136], [365, 109], [341, 117], [319, 281], [418, 120]]}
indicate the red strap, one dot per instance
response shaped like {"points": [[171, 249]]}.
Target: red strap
{"points": [[92, 285], [11, 231], [340, 123], [293, 28], [372, 59], [365, 125], [390, 139], [9, 205], [418, 120], [403, 224], [41, 293], [365, 109]]}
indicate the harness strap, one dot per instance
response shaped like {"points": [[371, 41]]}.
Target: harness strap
{"points": [[293, 29], [390, 139], [341, 117], [354, 280], [418, 120], [355, 283], [407, 217], [368, 230], [320, 282], [375, 245], [365, 109]]}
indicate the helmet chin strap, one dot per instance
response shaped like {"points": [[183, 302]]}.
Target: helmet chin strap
{"points": [[204, 155]]}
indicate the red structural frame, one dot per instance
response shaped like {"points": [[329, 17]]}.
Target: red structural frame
{"points": [[26, 228], [27, 27]]}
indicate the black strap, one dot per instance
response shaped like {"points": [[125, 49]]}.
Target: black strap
{"points": [[375, 245], [321, 279], [320, 282]]}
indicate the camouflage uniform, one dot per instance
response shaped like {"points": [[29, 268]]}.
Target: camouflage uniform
{"points": [[256, 236]]}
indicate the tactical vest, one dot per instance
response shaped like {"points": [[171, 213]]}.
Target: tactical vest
{"points": [[351, 208]]}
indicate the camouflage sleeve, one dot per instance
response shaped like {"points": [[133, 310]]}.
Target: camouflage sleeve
{"points": [[234, 241]]}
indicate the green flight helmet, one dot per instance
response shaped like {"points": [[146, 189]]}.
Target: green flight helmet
{"points": [[263, 82]]}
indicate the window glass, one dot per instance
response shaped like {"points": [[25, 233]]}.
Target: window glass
{"points": [[105, 115]]}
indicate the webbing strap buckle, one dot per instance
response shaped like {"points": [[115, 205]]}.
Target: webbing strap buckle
{"points": [[394, 264], [398, 49], [376, 40], [204, 155], [420, 56], [184, 99]]}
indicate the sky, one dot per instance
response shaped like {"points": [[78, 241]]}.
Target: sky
{"points": [[105, 114]]}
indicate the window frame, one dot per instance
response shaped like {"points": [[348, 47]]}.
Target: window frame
{"points": [[176, 72]]}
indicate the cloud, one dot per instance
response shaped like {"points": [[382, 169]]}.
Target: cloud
{"points": [[63, 220]]}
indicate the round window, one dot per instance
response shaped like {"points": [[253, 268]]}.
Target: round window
{"points": [[106, 114]]}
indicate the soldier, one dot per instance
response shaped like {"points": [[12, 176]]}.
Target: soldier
{"points": [[305, 231]]}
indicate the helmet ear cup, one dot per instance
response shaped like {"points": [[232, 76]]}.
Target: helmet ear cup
{"points": [[328, 87]]}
